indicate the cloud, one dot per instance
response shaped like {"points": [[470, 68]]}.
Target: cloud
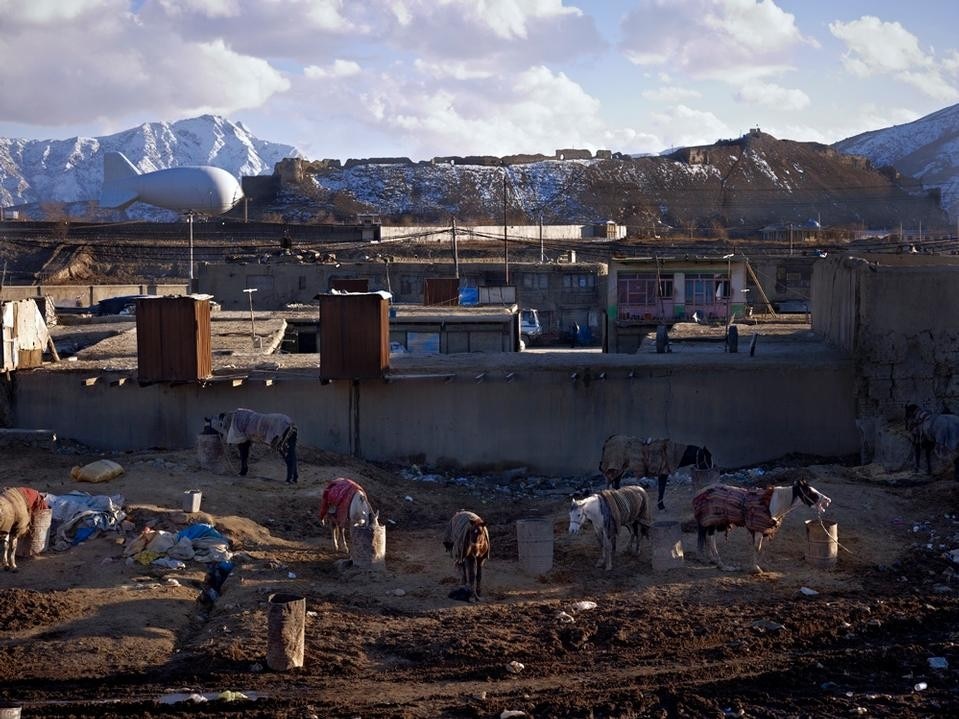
{"points": [[682, 125], [875, 47], [772, 95], [136, 69], [339, 68], [728, 40], [485, 115], [671, 95], [455, 70]]}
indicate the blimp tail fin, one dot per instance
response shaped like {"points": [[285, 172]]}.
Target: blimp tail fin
{"points": [[115, 193]]}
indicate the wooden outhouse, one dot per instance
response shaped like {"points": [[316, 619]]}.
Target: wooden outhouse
{"points": [[173, 339], [354, 335]]}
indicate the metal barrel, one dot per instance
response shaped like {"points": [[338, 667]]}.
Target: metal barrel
{"points": [[822, 543]]}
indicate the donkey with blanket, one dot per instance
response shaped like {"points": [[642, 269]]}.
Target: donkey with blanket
{"points": [[649, 458], [17, 507], [242, 427], [933, 431], [760, 510], [344, 505], [467, 540], [608, 511]]}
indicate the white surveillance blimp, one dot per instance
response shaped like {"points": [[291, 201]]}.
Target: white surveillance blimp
{"points": [[201, 189]]}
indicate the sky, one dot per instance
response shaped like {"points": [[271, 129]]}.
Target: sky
{"points": [[422, 78]]}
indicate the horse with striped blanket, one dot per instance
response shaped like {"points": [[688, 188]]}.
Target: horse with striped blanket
{"points": [[608, 511], [759, 510], [467, 540], [242, 427], [933, 431], [344, 505], [649, 458]]}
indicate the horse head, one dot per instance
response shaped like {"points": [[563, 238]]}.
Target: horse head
{"points": [[810, 496], [360, 510], [577, 515], [217, 423]]}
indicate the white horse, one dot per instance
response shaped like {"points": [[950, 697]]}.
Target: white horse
{"points": [[608, 511], [759, 510], [345, 505]]}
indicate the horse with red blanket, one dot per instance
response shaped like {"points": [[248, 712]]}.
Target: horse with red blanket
{"points": [[344, 505]]}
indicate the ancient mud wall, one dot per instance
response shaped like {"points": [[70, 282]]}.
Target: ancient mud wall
{"points": [[896, 316], [544, 418]]}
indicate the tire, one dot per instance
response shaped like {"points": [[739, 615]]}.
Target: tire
{"points": [[732, 339], [662, 340]]}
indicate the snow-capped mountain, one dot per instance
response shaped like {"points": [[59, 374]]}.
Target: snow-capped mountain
{"points": [[927, 149], [67, 171]]}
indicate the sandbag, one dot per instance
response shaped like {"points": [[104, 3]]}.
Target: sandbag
{"points": [[103, 470]]}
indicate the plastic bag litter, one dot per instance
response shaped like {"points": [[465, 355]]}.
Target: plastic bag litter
{"points": [[103, 470], [584, 606]]}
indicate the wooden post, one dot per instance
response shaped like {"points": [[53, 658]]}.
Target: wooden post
{"points": [[762, 292], [286, 632]]}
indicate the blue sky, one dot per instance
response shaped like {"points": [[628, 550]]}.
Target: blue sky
{"points": [[359, 78]]}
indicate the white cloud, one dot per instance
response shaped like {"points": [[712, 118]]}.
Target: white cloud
{"points": [[718, 39], [772, 95], [681, 125], [41, 12], [480, 115], [136, 69], [670, 95], [455, 70], [339, 68], [951, 63], [875, 47]]}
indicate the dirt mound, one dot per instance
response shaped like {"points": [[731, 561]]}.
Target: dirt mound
{"points": [[25, 607]]}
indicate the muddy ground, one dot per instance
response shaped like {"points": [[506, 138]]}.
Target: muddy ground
{"points": [[84, 634]]}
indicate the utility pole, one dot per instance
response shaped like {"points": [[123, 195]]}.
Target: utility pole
{"points": [[790, 239], [190, 215], [542, 254], [505, 240], [249, 292], [456, 255]]}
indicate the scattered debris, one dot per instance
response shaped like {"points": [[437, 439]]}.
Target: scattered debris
{"points": [[515, 667], [584, 606], [767, 625], [808, 592], [565, 618], [938, 663]]}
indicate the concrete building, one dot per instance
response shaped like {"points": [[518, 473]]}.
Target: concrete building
{"points": [[645, 292]]}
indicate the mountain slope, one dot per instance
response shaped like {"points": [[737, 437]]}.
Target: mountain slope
{"points": [[65, 171], [927, 149], [739, 185]]}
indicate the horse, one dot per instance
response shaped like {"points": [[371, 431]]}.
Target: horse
{"points": [[759, 510], [345, 505], [649, 458], [608, 511], [17, 505], [242, 427], [467, 540], [933, 431]]}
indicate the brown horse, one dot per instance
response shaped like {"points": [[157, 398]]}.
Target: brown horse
{"points": [[467, 540]]}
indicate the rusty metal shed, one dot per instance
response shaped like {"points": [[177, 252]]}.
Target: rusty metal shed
{"points": [[441, 291], [354, 335], [173, 339]]}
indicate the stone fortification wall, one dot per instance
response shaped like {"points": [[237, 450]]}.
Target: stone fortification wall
{"points": [[746, 410]]}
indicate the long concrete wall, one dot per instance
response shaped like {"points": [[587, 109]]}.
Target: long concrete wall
{"points": [[746, 413], [89, 295]]}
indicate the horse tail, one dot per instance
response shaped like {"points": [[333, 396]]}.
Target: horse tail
{"points": [[701, 537]]}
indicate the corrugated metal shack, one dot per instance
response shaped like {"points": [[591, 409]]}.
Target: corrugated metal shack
{"points": [[451, 330], [173, 339]]}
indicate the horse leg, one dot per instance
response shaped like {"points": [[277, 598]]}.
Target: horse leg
{"points": [[663, 478], [609, 548], [3, 556], [757, 548], [292, 476], [601, 538], [10, 561], [244, 448], [929, 458], [714, 554], [479, 576]]}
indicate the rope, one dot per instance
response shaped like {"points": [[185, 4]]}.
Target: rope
{"points": [[838, 544]]}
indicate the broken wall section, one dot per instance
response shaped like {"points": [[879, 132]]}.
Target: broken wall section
{"points": [[896, 315]]}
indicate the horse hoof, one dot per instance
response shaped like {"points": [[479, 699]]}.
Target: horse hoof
{"points": [[660, 506]]}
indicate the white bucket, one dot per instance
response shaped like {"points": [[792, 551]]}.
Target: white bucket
{"points": [[191, 500]]}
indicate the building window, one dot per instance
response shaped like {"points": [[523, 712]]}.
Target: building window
{"points": [[706, 289], [579, 282], [535, 280], [635, 288]]}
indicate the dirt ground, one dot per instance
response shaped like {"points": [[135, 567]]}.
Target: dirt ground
{"points": [[84, 634]]}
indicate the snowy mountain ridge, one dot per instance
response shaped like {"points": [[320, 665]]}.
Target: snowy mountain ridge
{"points": [[927, 149], [71, 170]]}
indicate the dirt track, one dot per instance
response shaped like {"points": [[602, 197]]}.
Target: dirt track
{"points": [[86, 635]]}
